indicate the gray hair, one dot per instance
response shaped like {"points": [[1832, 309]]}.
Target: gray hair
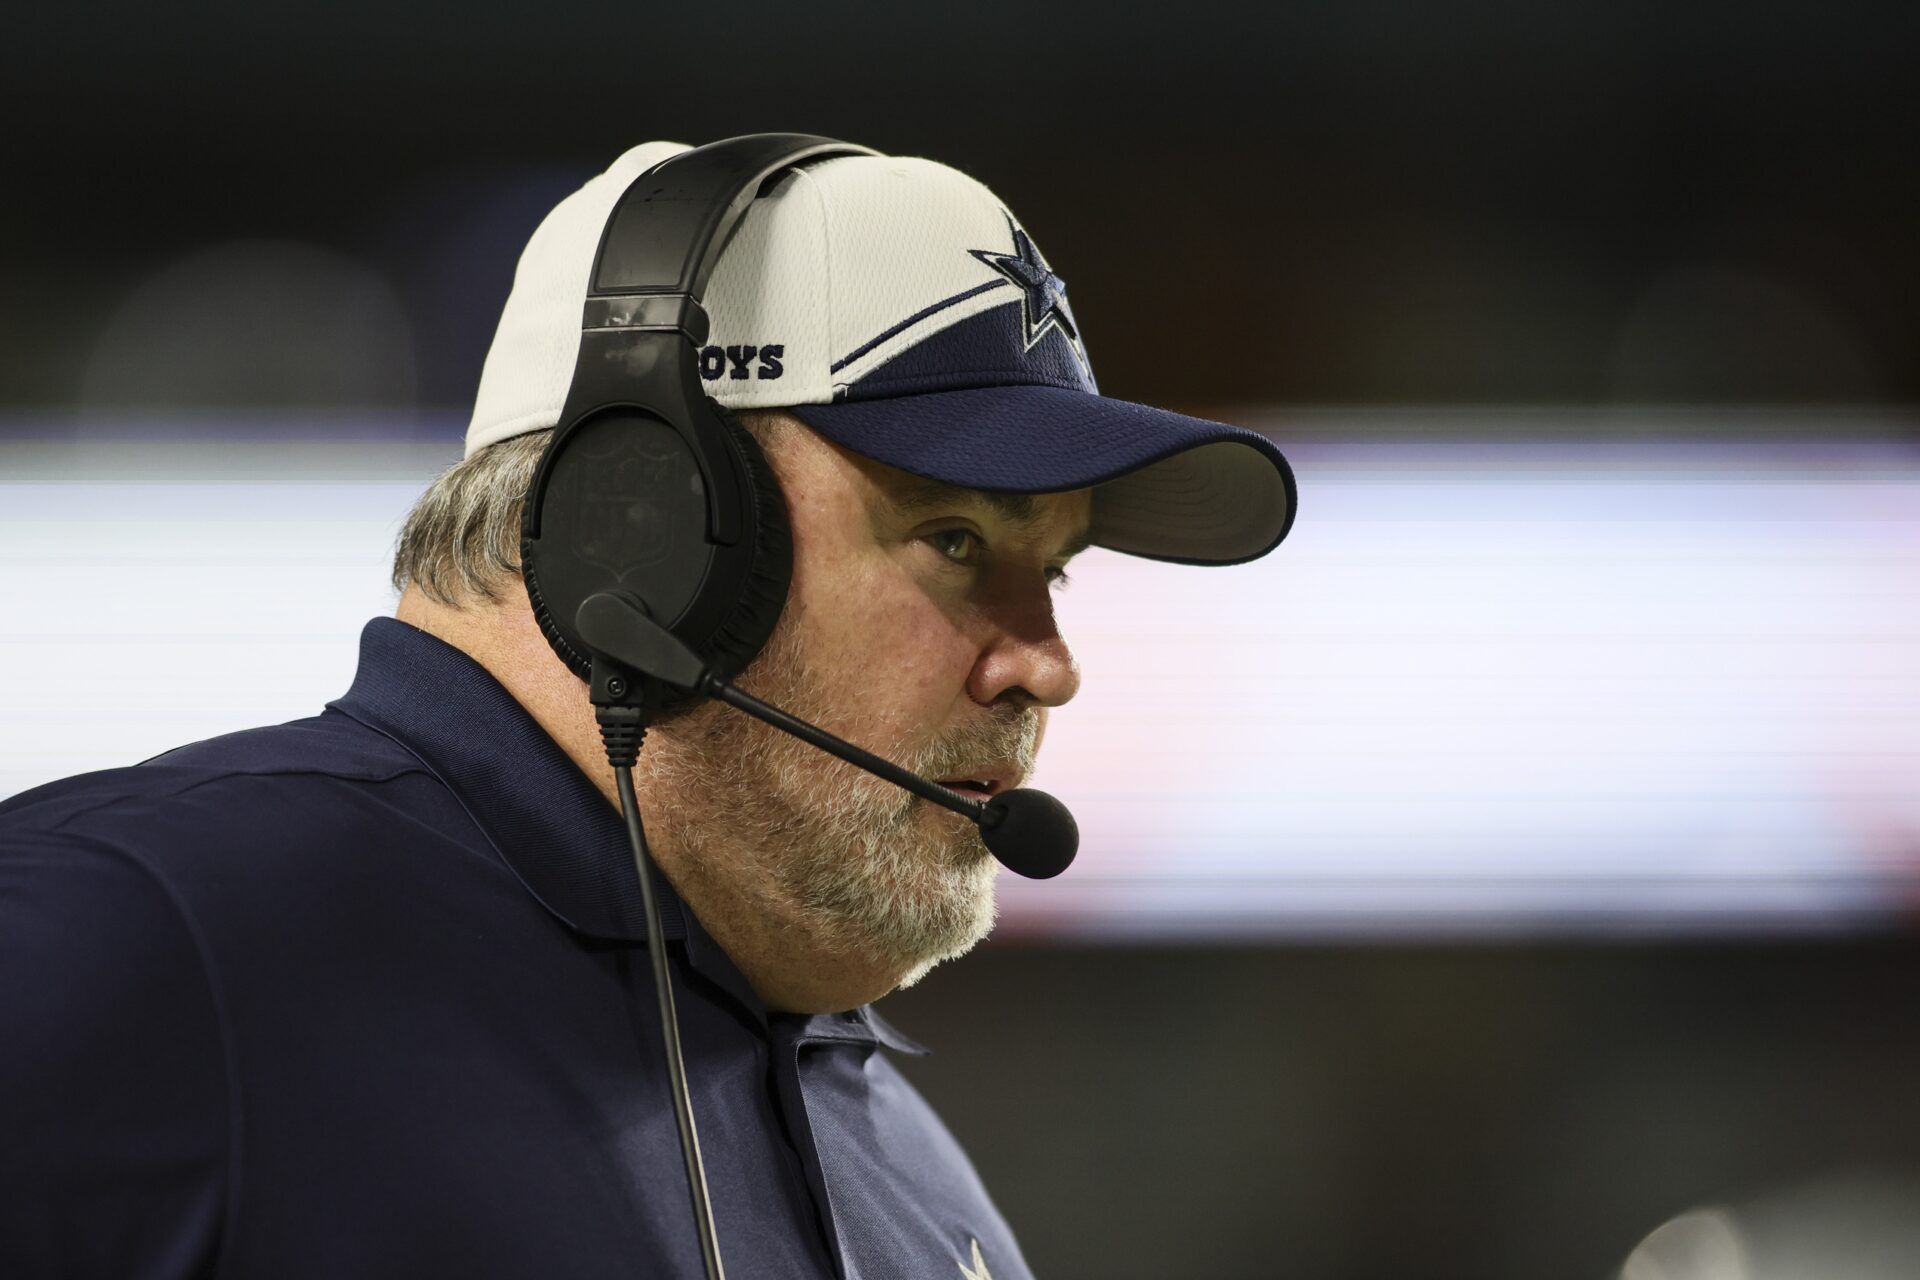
{"points": [[461, 542]]}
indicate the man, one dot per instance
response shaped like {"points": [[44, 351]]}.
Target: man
{"points": [[367, 994]]}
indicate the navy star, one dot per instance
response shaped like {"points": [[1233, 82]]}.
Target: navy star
{"points": [[1043, 295]]}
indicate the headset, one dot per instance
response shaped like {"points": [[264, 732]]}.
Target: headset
{"points": [[655, 543], [648, 486]]}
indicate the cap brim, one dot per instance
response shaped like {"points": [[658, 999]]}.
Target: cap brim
{"points": [[1166, 486]]}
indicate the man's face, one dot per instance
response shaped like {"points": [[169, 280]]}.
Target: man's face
{"points": [[920, 626]]}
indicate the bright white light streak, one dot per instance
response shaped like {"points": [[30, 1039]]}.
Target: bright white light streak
{"points": [[160, 591], [1484, 686], [1504, 686]]}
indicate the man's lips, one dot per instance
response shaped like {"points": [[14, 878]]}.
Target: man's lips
{"points": [[983, 782]]}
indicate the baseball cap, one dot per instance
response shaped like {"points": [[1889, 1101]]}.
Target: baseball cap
{"points": [[897, 307]]}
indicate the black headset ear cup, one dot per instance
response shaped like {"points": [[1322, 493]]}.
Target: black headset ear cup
{"points": [[737, 609], [757, 610]]}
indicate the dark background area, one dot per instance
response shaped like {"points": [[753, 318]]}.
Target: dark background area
{"points": [[1420, 1112], [1341, 201], [1594, 206]]}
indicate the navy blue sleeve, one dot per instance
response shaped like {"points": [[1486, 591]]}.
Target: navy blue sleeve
{"points": [[113, 1079]]}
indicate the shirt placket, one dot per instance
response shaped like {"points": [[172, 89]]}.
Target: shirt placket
{"points": [[776, 1057], [791, 1045]]}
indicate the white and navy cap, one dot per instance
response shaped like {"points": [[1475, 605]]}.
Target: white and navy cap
{"points": [[898, 308]]}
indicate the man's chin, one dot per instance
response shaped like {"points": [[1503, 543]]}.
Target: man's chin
{"points": [[920, 968], [913, 975]]}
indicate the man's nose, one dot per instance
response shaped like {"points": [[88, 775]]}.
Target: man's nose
{"points": [[1026, 655]]}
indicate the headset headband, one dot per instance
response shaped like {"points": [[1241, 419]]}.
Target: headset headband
{"points": [[672, 223]]}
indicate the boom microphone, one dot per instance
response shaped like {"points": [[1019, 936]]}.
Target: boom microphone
{"points": [[1029, 832]]}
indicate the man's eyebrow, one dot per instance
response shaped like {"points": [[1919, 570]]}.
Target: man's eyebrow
{"points": [[1018, 509]]}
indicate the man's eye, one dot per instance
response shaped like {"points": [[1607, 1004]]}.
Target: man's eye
{"points": [[954, 533], [1057, 578]]}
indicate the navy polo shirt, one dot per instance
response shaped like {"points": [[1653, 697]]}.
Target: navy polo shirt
{"points": [[367, 994]]}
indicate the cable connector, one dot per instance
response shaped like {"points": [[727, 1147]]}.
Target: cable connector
{"points": [[622, 729]]}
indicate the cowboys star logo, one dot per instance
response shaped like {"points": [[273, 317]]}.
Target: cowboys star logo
{"points": [[1043, 295]]}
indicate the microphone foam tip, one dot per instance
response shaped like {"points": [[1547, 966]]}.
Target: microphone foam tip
{"points": [[1033, 835]]}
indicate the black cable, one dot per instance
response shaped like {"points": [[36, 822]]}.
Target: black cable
{"points": [[623, 730]]}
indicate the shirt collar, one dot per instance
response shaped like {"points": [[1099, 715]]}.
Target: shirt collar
{"points": [[556, 830]]}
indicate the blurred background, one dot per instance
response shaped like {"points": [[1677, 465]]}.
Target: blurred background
{"points": [[1514, 875]]}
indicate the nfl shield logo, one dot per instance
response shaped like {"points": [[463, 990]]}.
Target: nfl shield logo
{"points": [[623, 525]]}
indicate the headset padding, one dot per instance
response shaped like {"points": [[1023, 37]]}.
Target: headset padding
{"points": [[746, 628]]}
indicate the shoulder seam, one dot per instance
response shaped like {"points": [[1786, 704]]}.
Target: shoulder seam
{"points": [[197, 783]]}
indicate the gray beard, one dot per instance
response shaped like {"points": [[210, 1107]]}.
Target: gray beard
{"points": [[853, 863]]}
